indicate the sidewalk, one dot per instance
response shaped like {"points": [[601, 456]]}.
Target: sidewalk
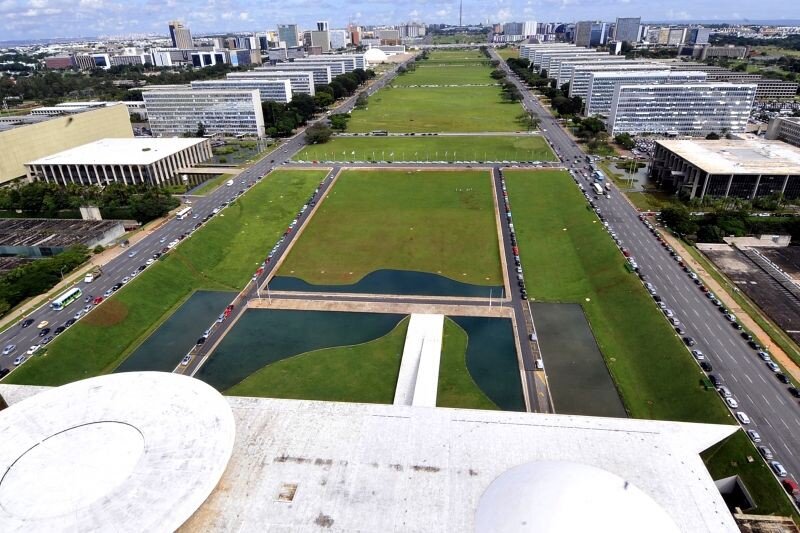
{"points": [[763, 338]]}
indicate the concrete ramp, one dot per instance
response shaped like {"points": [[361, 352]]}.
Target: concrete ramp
{"points": [[418, 380]]}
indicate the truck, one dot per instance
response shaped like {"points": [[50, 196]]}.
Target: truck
{"points": [[229, 183], [93, 275]]}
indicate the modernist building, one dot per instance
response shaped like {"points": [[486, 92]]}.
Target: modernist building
{"points": [[603, 84], [588, 33], [627, 29], [287, 35], [138, 161], [551, 62], [269, 89], [219, 111], [740, 168], [321, 72], [23, 141], [322, 40], [694, 109], [582, 74], [786, 129], [542, 59], [180, 35], [775, 90], [337, 66], [528, 51], [302, 82], [566, 67]]}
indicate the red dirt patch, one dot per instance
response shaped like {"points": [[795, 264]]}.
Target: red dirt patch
{"points": [[108, 314]]}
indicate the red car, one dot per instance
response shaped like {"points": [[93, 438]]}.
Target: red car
{"points": [[97, 300], [515, 250], [260, 271], [626, 253], [790, 485], [228, 311]]}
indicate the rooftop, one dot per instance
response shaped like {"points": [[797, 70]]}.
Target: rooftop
{"points": [[305, 465], [53, 233], [135, 151], [747, 156]]}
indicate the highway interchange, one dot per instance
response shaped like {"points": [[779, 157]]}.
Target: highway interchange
{"points": [[773, 413]]}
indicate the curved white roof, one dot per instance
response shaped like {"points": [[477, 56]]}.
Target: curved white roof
{"points": [[375, 55], [125, 452], [556, 496]]}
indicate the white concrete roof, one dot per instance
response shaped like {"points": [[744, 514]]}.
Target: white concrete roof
{"points": [[746, 156], [124, 452], [134, 151], [418, 379]]}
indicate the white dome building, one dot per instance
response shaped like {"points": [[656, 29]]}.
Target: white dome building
{"points": [[562, 496], [375, 55]]}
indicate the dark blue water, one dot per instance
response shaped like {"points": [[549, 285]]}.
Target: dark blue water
{"points": [[580, 382], [262, 337], [492, 360], [167, 345], [393, 282]]}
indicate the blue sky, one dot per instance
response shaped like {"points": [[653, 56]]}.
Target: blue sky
{"points": [[34, 19]]}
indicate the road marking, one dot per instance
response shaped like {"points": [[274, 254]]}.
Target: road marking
{"points": [[748, 378]]}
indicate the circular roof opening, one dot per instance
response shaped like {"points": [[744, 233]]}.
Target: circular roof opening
{"points": [[125, 452], [556, 496]]}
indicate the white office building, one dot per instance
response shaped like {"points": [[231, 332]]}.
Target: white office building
{"points": [[555, 62], [219, 111], [694, 109], [336, 64], [137, 161], [528, 51], [542, 59], [269, 90], [582, 74], [568, 66], [338, 39], [602, 85], [302, 82], [322, 73]]}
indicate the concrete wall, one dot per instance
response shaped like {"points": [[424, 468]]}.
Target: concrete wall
{"points": [[27, 143]]}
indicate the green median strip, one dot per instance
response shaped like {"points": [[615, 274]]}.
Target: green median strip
{"points": [[222, 255]]}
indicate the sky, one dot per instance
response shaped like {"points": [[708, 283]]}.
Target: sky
{"points": [[37, 19]]}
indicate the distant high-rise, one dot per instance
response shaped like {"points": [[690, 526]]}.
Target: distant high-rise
{"points": [[287, 33], [588, 33], [180, 35], [627, 29], [460, 12], [322, 25]]}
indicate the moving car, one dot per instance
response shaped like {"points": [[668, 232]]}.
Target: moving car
{"points": [[27, 323], [8, 349], [42, 324]]}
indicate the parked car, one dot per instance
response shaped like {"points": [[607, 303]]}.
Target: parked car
{"points": [[732, 403], [743, 418], [754, 435], [765, 452], [689, 341], [714, 380]]}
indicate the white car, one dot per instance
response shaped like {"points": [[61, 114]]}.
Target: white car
{"points": [[32, 350], [150, 261], [78, 314], [8, 349], [19, 360], [733, 404], [125, 280], [162, 240], [753, 434], [186, 360], [698, 355], [772, 366], [743, 418]]}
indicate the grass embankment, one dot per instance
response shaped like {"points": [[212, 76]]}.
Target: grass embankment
{"points": [[441, 222], [220, 256], [211, 185], [438, 148], [435, 109], [456, 386], [364, 373], [774, 331], [575, 261], [507, 53]]}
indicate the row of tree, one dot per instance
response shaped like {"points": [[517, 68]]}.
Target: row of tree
{"points": [[280, 120], [47, 200], [38, 276]]}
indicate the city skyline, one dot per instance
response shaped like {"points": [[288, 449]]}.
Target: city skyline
{"points": [[42, 19]]}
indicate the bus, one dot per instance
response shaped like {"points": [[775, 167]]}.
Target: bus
{"points": [[598, 189], [183, 213], [65, 299]]}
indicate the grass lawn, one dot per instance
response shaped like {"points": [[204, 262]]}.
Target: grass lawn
{"points": [[653, 371], [441, 222], [507, 53], [451, 55], [450, 74], [653, 200], [211, 185], [434, 109], [456, 386], [220, 256], [438, 148], [362, 373]]}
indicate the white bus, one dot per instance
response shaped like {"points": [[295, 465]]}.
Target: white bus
{"points": [[183, 213], [597, 188], [65, 299]]}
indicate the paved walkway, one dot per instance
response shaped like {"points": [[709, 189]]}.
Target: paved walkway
{"points": [[742, 316], [397, 307]]}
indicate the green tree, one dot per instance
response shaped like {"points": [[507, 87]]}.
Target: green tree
{"points": [[339, 121], [712, 136], [201, 130], [625, 140], [318, 134], [362, 101], [677, 217], [323, 100]]}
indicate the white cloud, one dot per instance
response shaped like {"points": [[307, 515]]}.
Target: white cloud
{"points": [[244, 15]]}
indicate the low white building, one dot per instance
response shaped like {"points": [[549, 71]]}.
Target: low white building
{"points": [[322, 73], [136, 161], [270, 90], [694, 109], [229, 112]]}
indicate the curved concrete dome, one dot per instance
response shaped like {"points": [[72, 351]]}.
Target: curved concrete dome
{"points": [[375, 55], [125, 452], [556, 496]]}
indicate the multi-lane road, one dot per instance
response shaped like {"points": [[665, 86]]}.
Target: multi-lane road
{"points": [[773, 413], [137, 254]]}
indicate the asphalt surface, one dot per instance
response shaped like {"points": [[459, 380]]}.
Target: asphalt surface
{"points": [[124, 265], [773, 412]]}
